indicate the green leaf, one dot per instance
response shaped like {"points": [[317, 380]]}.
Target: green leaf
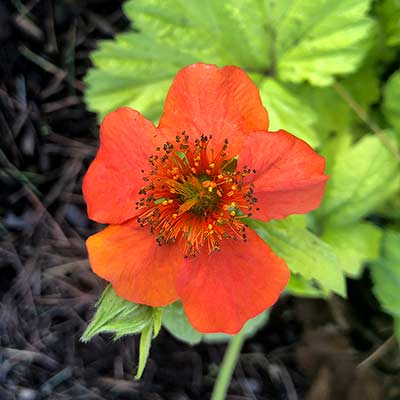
{"points": [[385, 274], [364, 95], [334, 115], [303, 252], [177, 324], [362, 177], [388, 12], [298, 286], [144, 349], [288, 111], [354, 245], [291, 40], [117, 316], [315, 40], [391, 100]]}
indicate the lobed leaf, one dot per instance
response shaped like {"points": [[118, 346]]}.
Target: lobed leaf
{"points": [[291, 40], [354, 245], [385, 274], [362, 177]]}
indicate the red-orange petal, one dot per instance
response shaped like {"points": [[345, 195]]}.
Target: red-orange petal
{"points": [[222, 102], [113, 180], [221, 291], [138, 268], [289, 177]]}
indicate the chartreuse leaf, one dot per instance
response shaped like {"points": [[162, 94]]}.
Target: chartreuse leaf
{"points": [[299, 286], [288, 111], [117, 316], [334, 115], [304, 253], [177, 324], [385, 274], [388, 12], [291, 40], [391, 100], [315, 40], [362, 177], [354, 245]]}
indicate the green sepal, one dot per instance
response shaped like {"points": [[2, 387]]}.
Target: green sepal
{"points": [[144, 349], [157, 320], [117, 316]]}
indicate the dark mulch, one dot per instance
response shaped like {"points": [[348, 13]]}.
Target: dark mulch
{"points": [[47, 290]]}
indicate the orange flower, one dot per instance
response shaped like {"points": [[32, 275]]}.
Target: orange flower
{"points": [[175, 198]]}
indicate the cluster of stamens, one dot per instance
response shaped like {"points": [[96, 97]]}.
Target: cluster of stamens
{"points": [[195, 195]]}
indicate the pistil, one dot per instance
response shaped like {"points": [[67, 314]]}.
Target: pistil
{"points": [[195, 195]]}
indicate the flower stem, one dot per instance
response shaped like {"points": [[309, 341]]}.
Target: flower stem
{"points": [[228, 365]]}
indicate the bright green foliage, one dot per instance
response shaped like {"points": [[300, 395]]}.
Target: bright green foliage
{"points": [[303, 252], [299, 286], [292, 40], [363, 94], [388, 12], [286, 111], [385, 274], [117, 316], [362, 177], [354, 245], [334, 115], [391, 101], [314, 40], [176, 323]]}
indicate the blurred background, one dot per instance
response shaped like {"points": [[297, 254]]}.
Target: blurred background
{"points": [[310, 348]]}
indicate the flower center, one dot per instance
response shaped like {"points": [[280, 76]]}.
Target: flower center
{"points": [[195, 195]]}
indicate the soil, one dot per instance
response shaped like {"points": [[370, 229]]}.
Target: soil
{"points": [[310, 349]]}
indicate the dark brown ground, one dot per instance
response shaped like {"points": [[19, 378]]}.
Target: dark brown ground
{"points": [[47, 290]]}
